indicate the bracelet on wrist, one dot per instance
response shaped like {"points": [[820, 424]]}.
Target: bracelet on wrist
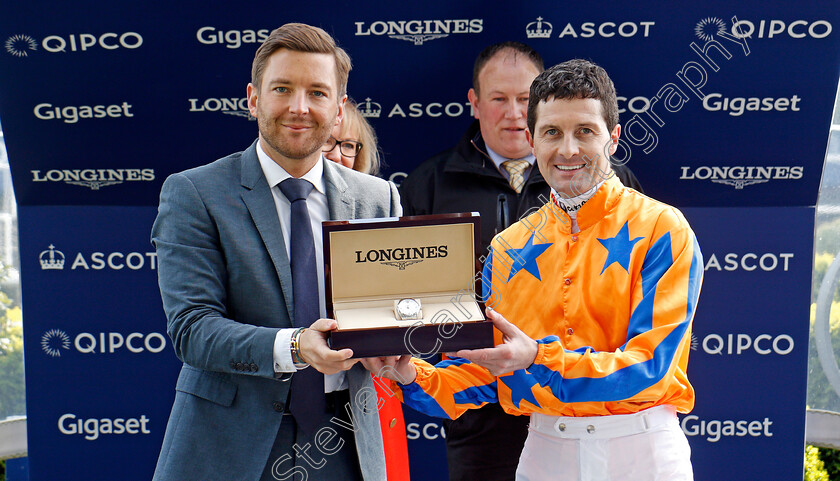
{"points": [[297, 359]]}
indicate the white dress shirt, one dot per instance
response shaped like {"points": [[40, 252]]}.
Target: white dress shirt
{"points": [[319, 211]]}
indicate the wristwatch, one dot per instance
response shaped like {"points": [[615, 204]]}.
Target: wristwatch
{"points": [[409, 309]]}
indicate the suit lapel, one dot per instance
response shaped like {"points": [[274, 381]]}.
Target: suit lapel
{"points": [[260, 203], [339, 201]]}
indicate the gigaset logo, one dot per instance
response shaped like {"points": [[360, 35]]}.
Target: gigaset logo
{"points": [[736, 106], [716, 429], [92, 428], [230, 38]]}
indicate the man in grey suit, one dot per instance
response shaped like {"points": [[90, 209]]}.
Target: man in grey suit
{"points": [[260, 395]]}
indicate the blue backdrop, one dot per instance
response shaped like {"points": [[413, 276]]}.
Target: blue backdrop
{"points": [[725, 112]]}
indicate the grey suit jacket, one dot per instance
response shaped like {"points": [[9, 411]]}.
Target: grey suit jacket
{"points": [[227, 288]]}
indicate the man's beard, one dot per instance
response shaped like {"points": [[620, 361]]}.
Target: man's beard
{"points": [[298, 148]]}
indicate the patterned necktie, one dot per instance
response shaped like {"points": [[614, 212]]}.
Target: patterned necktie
{"points": [[308, 403], [516, 169]]}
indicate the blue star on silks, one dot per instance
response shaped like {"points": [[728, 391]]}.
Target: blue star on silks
{"points": [[526, 258], [619, 248], [520, 384]]}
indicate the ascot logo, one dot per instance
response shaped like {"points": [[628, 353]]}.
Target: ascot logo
{"points": [[52, 259], [543, 29], [741, 176], [53, 341], [402, 257], [372, 109], [94, 178], [20, 45], [539, 29], [419, 31], [56, 340], [236, 106], [750, 261]]}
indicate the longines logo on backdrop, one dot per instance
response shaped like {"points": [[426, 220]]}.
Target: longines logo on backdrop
{"points": [[237, 106], [55, 341], [53, 259], [371, 109], [402, 257], [94, 178], [21, 45], [419, 31], [740, 176], [541, 28]]}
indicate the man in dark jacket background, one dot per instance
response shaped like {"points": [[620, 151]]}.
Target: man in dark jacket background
{"points": [[490, 171]]}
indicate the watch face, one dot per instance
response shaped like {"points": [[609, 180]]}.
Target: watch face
{"points": [[408, 309]]}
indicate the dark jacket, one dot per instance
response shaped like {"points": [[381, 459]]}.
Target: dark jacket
{"points": [[465, 179]]}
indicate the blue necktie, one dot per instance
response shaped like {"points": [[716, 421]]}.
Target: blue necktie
{"points": [[308, 403]]}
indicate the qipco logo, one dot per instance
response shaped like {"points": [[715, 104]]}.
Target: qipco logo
{"points": [[738, 344], [55, 341], [81, 42]]}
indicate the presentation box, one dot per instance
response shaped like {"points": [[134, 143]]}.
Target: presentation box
{"points": [[405, 286]]}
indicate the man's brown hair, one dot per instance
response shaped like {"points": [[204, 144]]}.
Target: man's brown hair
{"points": [[299, 37], [574, 79]]}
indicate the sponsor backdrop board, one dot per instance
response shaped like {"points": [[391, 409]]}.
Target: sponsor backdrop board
{"points": [[749, 351], [721, 105], [100, 369]]}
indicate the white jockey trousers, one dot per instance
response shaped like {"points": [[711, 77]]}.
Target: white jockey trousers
{"points": [[645, 446]]}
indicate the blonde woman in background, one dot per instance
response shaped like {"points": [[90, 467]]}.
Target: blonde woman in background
{"points": [[353, 142], [353, 145]]}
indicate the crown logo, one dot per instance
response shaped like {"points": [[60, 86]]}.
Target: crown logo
{"points": [[370, 109], [51, 259], [539, 29]]}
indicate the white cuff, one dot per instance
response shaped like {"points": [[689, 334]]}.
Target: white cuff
{"points": [[283, 351]]}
